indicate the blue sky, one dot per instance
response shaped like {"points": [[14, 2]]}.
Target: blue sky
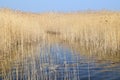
{"points": [[60, 5]]}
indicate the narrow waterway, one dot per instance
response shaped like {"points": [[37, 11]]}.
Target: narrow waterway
{"points": [[57, 62]]}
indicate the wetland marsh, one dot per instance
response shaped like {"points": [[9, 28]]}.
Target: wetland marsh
{"points": [[59, 46]]}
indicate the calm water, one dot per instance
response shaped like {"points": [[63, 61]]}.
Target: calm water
{"points": [[57, 62]]}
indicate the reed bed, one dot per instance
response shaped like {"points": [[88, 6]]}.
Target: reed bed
{"points": [[94, 33], [99, 31]]}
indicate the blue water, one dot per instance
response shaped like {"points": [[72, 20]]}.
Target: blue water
{"points": [[57, 62]]}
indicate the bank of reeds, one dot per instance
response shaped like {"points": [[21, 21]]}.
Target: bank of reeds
{"points": [[91, 33], [98, 31]]}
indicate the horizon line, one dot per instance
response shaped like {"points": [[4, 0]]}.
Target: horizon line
{"points": [[54, 11]]}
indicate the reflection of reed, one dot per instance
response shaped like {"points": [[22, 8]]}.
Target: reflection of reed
{"points": [[40, 65], [16, 60]]}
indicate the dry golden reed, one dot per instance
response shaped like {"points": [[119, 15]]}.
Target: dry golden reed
{"points": [[97, 31], [94, 33]]}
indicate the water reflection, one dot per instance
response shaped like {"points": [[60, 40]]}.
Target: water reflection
{"points": [[57, 62]]}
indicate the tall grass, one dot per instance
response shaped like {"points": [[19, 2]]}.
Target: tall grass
{"points": [[96, 31], [99, 30], [92, 32]]}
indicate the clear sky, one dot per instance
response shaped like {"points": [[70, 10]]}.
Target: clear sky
{"points": [[60, 5]]}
